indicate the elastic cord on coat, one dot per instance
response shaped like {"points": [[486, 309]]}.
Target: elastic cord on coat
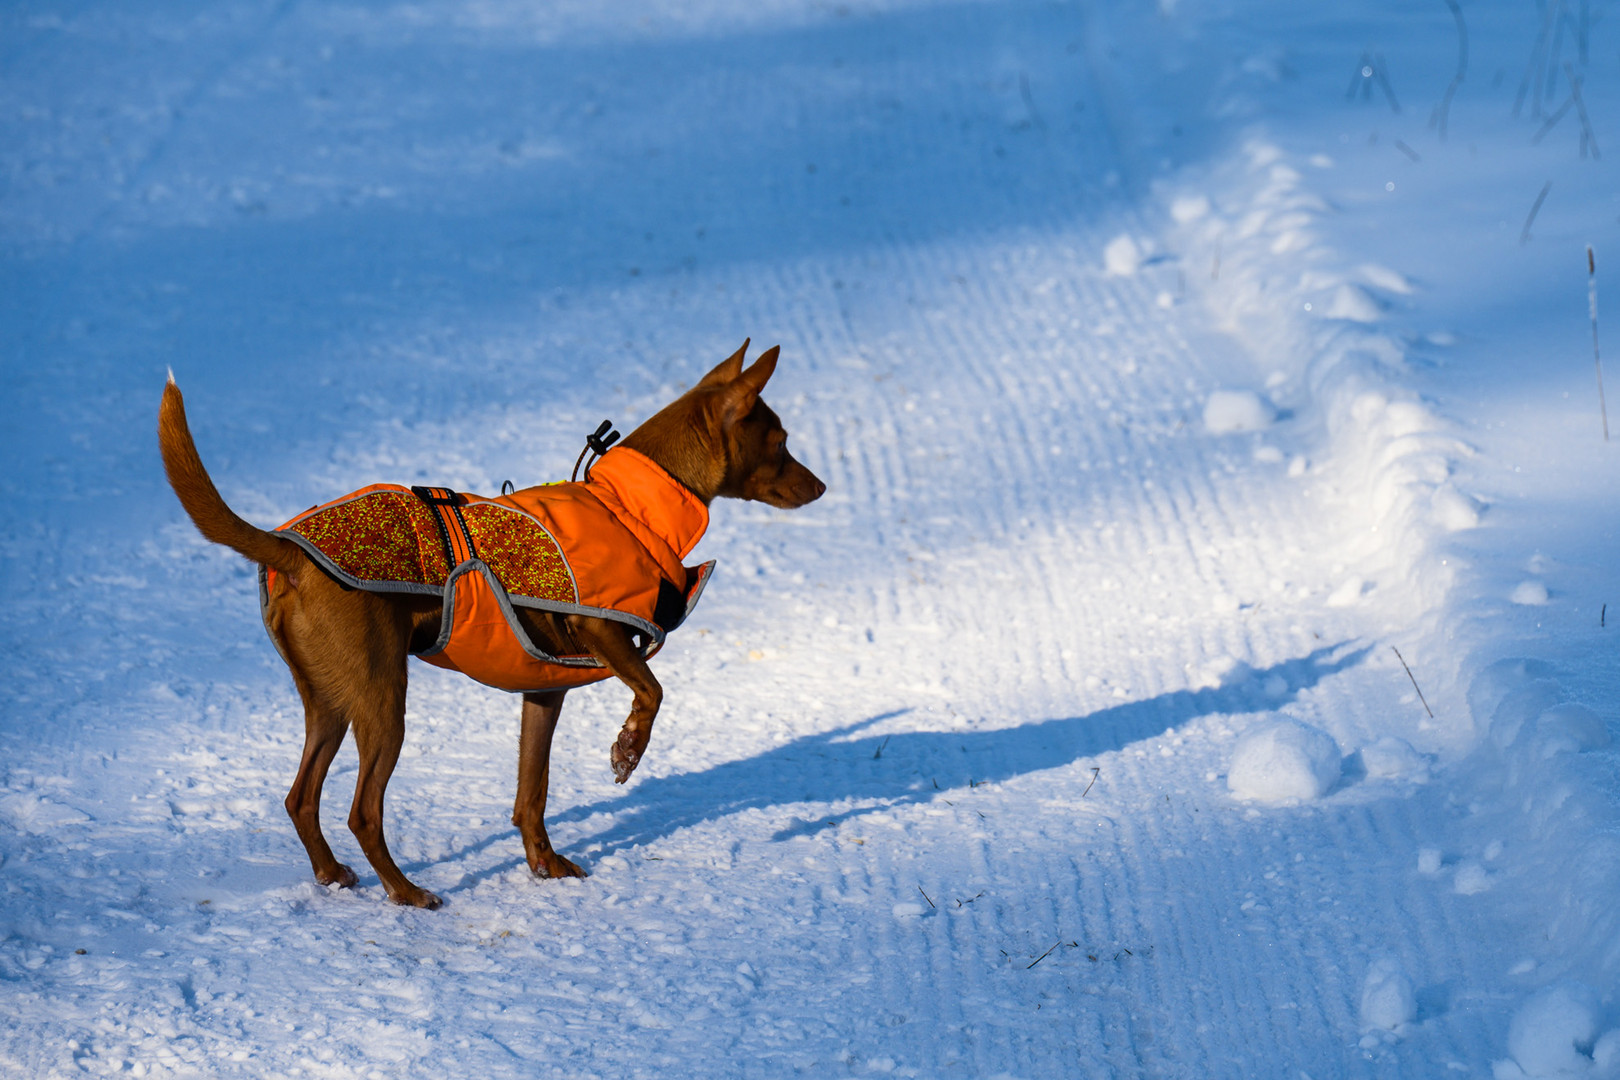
{"points": [[595, 445]]}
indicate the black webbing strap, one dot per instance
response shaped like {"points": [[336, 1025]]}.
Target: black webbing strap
{"points": [[446, 506]]}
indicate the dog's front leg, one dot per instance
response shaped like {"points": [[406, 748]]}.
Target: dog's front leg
{"points": [[540, 713], [610, 643]]}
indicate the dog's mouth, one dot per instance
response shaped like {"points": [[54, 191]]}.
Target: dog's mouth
{"points": [[791, 496]]}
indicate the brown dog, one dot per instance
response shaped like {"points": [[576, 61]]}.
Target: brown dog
{"points": [[347, 648]]}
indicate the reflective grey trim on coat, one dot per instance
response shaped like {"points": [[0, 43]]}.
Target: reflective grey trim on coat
{"points": [[264, 612], [655, 636], [319, 558], [705, 572], [573, 582]]}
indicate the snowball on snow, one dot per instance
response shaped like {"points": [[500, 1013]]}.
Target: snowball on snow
{"points": [[1348, 593], [1284, 760], [1227, 411], [1224, 672], [1121, 257], [1553, 1032], [1382, 277], [1454, 510], [1393, 758], [1354, 303], [1471, 880], [1387, 998], [1530, 593], [1606, 1052], [1189, 208]]}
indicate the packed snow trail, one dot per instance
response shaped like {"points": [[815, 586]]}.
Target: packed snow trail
{"points": [[941, 784]]}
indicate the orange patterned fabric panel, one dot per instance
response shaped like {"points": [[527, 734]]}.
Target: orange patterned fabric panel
{"points": [[380, 536], [523, 555]]}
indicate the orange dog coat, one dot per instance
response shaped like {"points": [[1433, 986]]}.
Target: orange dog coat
{"points": [[610, 547]]}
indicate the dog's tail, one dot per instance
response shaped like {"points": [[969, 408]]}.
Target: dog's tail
{"points": [[215, 520]]}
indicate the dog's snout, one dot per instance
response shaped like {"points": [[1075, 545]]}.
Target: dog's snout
{"points": [[818, 487]]}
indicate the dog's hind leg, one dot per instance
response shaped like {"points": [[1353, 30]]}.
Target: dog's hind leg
{"points": [[379, 732], [324, 726], [540, 713]]}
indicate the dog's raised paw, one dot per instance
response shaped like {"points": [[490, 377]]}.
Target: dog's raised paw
{"points": [[624, 763], [626, 755]]}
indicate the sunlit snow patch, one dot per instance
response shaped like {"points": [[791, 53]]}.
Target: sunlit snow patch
{"points": [[1121, 257], [1353, 303], [1454, 510], [1530, 593], [1284, 759], [1187, 209], [1228, 411]]}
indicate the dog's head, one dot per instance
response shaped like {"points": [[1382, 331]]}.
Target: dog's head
{"points": [[720, 439]]}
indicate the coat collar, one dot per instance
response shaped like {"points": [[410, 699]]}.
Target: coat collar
{"points": [[643, 491]]}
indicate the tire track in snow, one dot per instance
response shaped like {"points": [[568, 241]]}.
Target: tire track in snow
{"points": [[960, 561]]}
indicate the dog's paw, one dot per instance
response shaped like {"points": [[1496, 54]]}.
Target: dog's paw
{"points": [[553, 865], [339, 875], [628, 748], [415, 897], [624, 763]]}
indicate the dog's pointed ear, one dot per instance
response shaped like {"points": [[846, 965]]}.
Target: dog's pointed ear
{"points": [[760, 371], [745, 389], [728, 369]]}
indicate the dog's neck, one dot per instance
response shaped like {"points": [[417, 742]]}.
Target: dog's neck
{"points": [[649, 500], [685, 443]]}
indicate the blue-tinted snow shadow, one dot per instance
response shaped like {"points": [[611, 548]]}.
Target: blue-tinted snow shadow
{"points": [[762, 147], [881, 771], [294, 324]]}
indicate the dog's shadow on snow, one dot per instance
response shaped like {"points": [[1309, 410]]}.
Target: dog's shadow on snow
{"points": [[850, 773]]}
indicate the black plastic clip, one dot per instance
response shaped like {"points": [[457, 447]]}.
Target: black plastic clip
{"points": [[596, 445]]}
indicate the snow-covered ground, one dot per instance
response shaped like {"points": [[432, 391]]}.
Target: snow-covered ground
{"points": [[1173, 402]]}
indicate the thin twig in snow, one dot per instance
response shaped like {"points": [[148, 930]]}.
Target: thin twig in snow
{"points": [[1029, 101], [1587, 136], [1045, 954], [1381, 73], [1597, 360], [1524, 234], [1535, 69], [1556, 9], [1552, 121], [1094, 772], [1415, 686], [1370, 69], [1442, 112], [1554, 53], [1358, 81], [925, 897]]}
